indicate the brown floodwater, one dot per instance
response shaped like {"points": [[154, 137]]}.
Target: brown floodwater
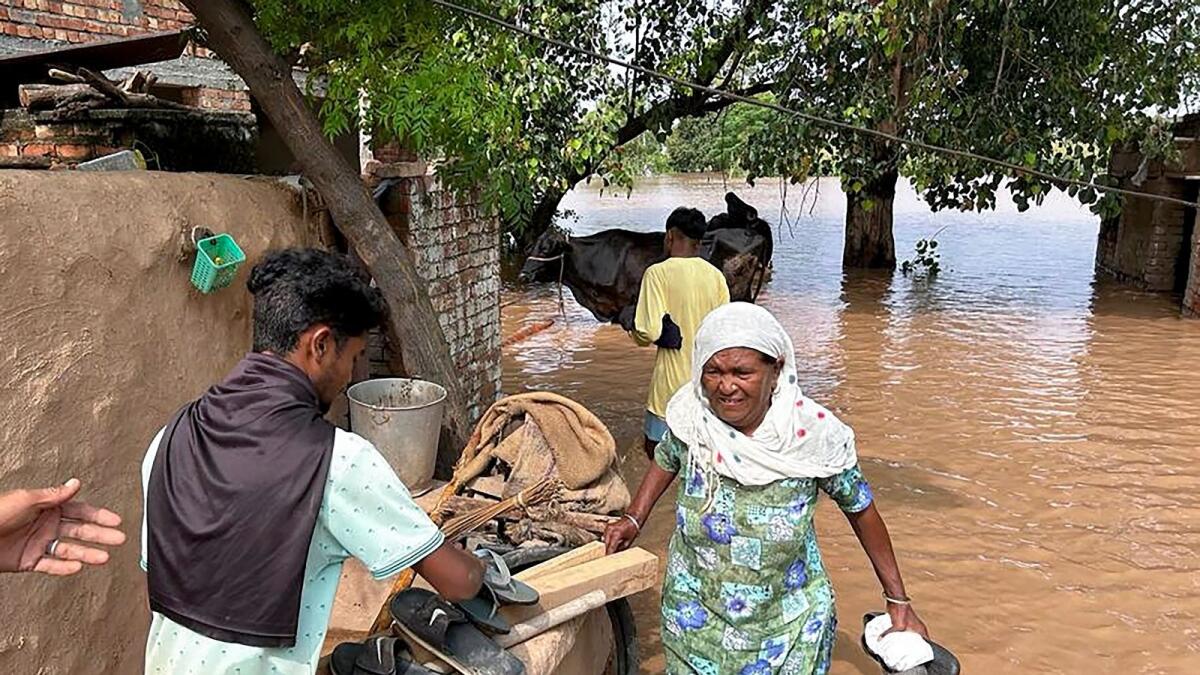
{"points": [[1030, 430]]}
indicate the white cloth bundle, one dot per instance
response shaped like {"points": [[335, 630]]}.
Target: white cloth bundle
{"points": [[899, 651]]}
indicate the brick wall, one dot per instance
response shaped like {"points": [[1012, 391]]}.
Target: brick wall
{"points": [[1145, 244], [457, 251], [172, 140], [217, 99], [87, 20]]}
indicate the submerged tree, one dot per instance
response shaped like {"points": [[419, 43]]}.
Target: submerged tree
{"points": [[1046, 85], [1051, 86]]}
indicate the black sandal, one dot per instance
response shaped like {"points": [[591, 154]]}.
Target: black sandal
{"points": [[441, 628], [483, 611], [377, 655]]}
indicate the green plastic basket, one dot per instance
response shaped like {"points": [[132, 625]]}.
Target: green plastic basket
{"points": [[217, 261]]}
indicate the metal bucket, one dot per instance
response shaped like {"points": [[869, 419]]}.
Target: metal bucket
{"points": [[402, 418]]}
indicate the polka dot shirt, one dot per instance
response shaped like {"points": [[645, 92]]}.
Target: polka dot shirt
{"points": [[366, 513]]}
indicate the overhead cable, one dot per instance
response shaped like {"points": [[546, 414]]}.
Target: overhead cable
{"points": [[815, 119]]}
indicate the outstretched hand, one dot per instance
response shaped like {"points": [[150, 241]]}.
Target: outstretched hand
{"points": [[31, 520]]}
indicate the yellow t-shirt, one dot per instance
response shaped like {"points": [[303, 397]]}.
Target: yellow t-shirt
{"points": [[687, 289]]}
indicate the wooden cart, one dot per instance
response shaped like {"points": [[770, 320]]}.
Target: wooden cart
{"points": [[582, 625]]}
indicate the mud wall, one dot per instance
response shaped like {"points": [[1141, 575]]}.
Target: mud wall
{"points": [[102, 338]]}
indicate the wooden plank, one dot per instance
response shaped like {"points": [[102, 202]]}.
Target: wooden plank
{"points": [[585, 553], [618, 576]]}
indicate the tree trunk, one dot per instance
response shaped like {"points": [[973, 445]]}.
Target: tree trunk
{"points": [[234, 37], [869, 241], [539, 221]]}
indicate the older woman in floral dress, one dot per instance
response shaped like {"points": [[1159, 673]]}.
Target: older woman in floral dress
{"points": [[746, 592]]}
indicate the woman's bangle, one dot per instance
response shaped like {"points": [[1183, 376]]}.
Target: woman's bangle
{"points": [[905, 600], [634, 521]]}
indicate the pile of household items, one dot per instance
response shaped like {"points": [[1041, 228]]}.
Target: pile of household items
{"points": [[537, 483]]}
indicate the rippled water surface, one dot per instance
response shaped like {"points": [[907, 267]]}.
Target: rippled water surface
{"points": [[1030, 431]]}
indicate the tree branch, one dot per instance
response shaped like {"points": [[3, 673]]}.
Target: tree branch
{"points": [[691, 104], [721, 102]]}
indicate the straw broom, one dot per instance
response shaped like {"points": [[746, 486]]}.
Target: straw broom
{"points": [[538, 493]]}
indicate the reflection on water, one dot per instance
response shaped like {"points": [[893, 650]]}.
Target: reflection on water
{"points": [[1029, 431]]}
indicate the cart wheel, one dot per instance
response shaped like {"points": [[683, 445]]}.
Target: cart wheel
{"points": [[620, 614], [625, 649]]}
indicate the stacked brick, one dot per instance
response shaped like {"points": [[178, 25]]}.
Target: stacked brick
{"points": [[457, 250], [88, 20], [1191, 295], [54, 142], [172, 140], [217, 99]]}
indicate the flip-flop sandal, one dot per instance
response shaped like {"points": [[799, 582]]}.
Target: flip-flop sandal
{"points": [[943, 663], [507, 589], [431, 622], [484, 611], [377, 655]]}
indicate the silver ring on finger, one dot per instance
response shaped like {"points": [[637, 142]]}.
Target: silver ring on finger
{"points": [[52, 547]]}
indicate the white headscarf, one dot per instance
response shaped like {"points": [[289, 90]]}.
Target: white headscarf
{"points": [[798, 438]]}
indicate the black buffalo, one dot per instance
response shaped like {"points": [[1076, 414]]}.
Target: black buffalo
{"points": [[604, 270]]}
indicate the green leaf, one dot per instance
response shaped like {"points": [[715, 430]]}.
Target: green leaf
{"points": [[482, 104]]}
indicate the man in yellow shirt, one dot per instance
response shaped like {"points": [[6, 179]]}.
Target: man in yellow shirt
{"points": [[676, 295]]}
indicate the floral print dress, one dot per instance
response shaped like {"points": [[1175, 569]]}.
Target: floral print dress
{"points": [[745, 591]]}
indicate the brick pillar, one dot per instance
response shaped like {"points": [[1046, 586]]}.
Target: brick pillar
{"points": [[456, 246], [1165, 245]]}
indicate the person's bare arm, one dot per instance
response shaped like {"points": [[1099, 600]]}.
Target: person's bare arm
{"points": [[455, 574], [620, 534], [872, 533]]}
